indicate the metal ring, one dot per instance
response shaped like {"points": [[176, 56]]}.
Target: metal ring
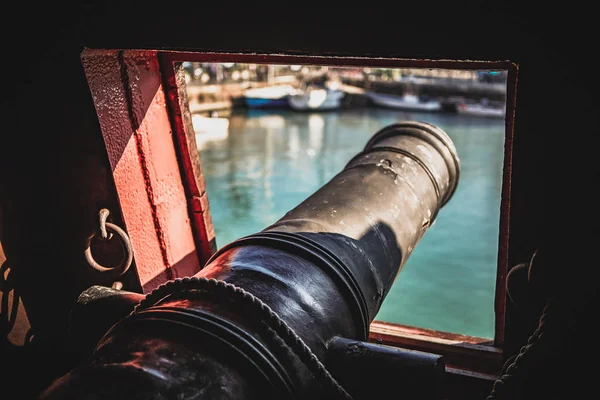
{"points": [[125, 245]]}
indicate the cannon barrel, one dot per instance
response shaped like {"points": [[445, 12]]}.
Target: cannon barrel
{"points": [[257, 321]]}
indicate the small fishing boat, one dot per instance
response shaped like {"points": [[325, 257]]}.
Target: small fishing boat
{"points": [[407, 101], [482, 109], [204, 124], [209, 129], [268, 97], [316, 98]]}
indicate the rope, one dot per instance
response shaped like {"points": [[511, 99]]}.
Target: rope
{"points": [[6, 286], [535, 341], [8, 320], [272, 319]]}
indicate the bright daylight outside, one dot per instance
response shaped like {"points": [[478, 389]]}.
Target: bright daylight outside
{"points": [[269, 136]]}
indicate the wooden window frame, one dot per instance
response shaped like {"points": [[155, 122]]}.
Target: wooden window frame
{"points": [[465, 353], [466, 357]]}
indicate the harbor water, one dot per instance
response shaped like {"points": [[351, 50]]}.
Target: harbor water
{"points": [[270, 160]]}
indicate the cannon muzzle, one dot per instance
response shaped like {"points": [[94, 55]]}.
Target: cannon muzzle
{"points": [[273, 314]]}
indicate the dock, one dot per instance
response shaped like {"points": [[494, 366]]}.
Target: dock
{"points": [[219, 97]]}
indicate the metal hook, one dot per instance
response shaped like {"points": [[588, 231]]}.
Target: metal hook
{"points": [[106, 231], [103, 216]]}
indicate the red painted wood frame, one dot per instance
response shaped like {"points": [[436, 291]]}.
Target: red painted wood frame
{"points": [[159, 184], [142, 107]]}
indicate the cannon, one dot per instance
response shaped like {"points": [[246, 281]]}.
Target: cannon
{"points": [[283, 313]]}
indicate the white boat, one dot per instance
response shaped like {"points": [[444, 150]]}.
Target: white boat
{"points": [[204, 124], [482, 109], [316, 98], [209, 129], [406, 101]]}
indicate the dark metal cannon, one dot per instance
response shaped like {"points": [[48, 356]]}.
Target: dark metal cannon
{"points": [[285, 312]]}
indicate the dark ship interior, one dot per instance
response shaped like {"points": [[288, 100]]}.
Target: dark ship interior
{"points": [[235, 323]]}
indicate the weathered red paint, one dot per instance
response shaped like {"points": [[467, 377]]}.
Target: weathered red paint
{"points": [[187, 154], [128, 94]]}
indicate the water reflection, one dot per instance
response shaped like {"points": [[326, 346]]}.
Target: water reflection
{"points": [[271, 161]]}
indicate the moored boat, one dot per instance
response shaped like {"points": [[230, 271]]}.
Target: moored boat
{"points": [[482, 109], [204, 124], [316, 98], [268, 97], [209, 129], [405, 101]]}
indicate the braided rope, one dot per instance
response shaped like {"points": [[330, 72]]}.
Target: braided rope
{"points": [[501, 385], [272, 319], [8, 285]]}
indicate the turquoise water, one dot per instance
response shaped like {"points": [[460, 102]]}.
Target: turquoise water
{"points": [[271, 161]]}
